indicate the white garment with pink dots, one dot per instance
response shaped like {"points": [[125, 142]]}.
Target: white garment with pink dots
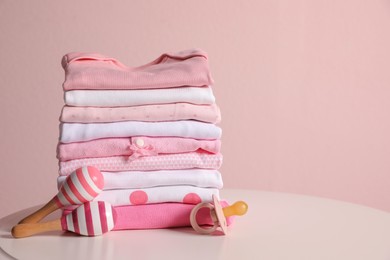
{"points": [[182, 194]]}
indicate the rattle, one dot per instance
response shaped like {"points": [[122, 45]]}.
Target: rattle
{"points": [[218, 215], [90, 219], [80, 186]]}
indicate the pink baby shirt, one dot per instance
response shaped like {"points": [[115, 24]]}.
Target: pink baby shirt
{"points": [[96, 71]]}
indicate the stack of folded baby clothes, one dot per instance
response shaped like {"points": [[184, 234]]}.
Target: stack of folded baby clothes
{"points": [[150, 130]]}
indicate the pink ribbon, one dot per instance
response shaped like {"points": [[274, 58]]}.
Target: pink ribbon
{"points": [[138, 152]]}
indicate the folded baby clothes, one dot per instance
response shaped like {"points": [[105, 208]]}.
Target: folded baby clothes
{"points": [[96, 71], [149, 163], [161, 215], [123, 98], [147, 179], [149, 113], [181, 194], [150, 130], [134, 147], [75, 132]]}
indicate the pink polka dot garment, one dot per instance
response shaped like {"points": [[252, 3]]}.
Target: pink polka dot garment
{"points": [[146, 163]]}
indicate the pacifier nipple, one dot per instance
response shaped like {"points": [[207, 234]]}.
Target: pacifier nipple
{"points": [[237, 209]]}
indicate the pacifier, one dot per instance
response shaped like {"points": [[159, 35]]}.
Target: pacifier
{"points": [[217, 214]]}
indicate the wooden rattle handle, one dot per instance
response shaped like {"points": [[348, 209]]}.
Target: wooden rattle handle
{"points": [[29, 229], [41, 213]]}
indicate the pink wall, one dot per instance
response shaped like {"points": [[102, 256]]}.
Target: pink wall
{"points": [[304, 87]]}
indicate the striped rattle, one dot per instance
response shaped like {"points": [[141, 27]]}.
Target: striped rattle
{"points": [[90, 219], [80, 186]]}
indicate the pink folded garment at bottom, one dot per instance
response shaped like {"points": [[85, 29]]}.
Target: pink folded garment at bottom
{"points": [[162, 215]]}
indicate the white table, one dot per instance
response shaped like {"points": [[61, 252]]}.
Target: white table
{"points": [[277, 226]]}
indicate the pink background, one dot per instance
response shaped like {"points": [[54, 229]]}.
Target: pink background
{"points": [[304, 87]]}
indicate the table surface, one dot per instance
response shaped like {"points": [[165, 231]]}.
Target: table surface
{"points": [[277, 226]]}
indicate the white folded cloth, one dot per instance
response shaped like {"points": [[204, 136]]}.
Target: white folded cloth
{"points": [[76, 132], [147, 179], [181, 194], [116, 98]]}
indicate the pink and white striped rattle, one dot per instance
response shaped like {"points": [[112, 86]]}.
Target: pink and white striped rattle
{"points": [[80, 186], [90, 219]]}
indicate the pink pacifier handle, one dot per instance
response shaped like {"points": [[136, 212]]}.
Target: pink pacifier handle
{"points": [[217, 214], [195, 224]]}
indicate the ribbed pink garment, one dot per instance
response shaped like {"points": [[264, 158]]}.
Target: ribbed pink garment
{"points": [[161, 215], [96, 71], [134, 147], [149, 113]]}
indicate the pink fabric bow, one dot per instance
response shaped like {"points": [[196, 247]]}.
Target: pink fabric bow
{"points": [[147, 150]]}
